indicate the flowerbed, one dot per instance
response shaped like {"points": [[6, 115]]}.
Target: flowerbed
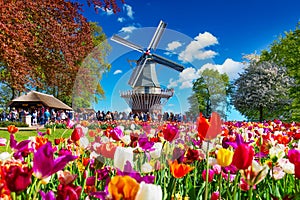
{"points": [[147, 160]]}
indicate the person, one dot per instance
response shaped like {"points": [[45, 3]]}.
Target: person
{"points": [[47, 116], [34, 118], [63, 115]]}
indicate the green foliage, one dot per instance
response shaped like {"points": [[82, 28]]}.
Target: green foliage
{"points": [[87, 88], [211, 92], [17, 124], [286, 52], [56, 125]]}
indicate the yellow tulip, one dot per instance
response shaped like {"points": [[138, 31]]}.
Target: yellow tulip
{"points": [[224, 157]]}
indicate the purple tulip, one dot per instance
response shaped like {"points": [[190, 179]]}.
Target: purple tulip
{"points": [[47, 196], [20, 149], [44, 164], [238, 140], [128, 170], [145, 144]]}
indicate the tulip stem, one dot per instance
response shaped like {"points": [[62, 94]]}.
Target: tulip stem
{"points": [[37, 189], [220, 186], [250, 192], [207, 171]]}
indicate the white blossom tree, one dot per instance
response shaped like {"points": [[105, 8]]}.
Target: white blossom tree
{"points": [[261, 91]]}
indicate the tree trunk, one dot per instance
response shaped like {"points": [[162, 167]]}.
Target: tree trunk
{"points": [[260, 113]]}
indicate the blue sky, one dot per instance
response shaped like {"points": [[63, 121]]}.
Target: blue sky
{"points": [[200, 34]]}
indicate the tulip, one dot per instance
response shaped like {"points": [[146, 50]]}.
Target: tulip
{"points": [[65, 177], [209, 130], [47, 196], [128, 171], [107, 149], [12, 129], [149, 192], [76, 134], [179, 170], [170, 132], [122, 155], [211, 174], [215, 196], [155, 154], [243, 156], [2, 141], [224, 157], [116, 133], [145, 144], [68, 192], [44, 164], [16, 176], [255, 173], [294, 157], [123, 187]]}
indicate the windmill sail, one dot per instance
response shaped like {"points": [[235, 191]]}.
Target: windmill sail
{"points": [[157, 35], [127, 43], [168, 63]]}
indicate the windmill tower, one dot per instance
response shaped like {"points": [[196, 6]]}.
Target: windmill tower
{"points": [[146, 94]]}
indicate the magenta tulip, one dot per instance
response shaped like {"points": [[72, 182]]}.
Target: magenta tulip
{"points": [[243, 156], [44, 164]]}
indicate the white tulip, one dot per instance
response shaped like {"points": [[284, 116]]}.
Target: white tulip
{"points": [[155, 154], [149, 192], [4, 156], [146, 168], [122, 155]]}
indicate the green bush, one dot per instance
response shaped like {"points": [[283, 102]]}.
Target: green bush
{"points": [[56, 125], [17, 124]]}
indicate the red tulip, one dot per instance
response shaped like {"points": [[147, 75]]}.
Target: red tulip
{"points": [[208, 130], [17, 177], [76, 134], [243, 156]]}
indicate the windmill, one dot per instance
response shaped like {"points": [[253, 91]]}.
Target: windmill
{"points": [[147, 95]]}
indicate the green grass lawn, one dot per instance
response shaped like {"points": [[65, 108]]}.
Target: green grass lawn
{"points": [[24, 135]]}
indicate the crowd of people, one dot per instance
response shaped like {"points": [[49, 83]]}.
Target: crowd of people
{"points": [[42, 115], [141, 116]]}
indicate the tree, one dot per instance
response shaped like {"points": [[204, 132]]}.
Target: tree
{"points": [[286, 52], [261, 91], [87, 88], [43, 44], [211, 92]]}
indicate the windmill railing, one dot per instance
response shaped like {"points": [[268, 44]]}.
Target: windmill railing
{"points": [[163, 93]]}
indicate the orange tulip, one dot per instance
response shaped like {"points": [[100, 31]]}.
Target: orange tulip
{"points": [[123, 187], [179, 170], [12, 129], [48, 131], [107, 150], [208, 130]]}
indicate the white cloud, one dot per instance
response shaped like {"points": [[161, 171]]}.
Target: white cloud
{"points": [[172, 83], [129, 10], [196, 48], [230, 67], [128, 29], [106, 11], [171, 105], [173, 45], [121, 19], [187, 76], [117, 72]]}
